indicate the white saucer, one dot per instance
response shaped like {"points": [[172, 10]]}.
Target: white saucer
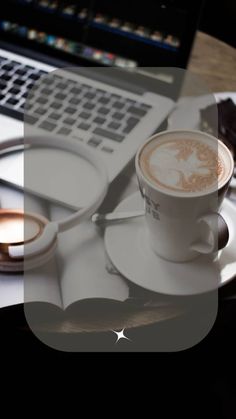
{"points": [[128, 248]]}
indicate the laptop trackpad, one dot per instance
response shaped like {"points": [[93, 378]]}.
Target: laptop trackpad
{"points": [[56, 175]]}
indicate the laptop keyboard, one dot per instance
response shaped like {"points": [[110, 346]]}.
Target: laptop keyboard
{"points": [[67, 107]]}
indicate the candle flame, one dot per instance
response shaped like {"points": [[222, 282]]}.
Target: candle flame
{"points": [[14, 228]]}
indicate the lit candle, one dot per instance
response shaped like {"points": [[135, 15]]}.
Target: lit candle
{"points": [[18, 228]]}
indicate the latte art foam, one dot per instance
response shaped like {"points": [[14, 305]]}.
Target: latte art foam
{"points": [[184, 165]]}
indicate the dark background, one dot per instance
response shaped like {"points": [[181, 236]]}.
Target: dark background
{"points": [[219, 19]]}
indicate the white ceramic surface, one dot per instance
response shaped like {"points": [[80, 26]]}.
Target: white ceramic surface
{"points": [[129, 250], [175, 216]]}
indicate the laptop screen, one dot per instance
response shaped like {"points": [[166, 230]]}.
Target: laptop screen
{"points": [[123, 33]]}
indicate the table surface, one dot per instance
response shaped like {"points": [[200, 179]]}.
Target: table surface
{"points": [[215, 63]]}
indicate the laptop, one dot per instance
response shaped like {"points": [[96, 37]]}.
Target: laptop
{"points": [[112, 90]]}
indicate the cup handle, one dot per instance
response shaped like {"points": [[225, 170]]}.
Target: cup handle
{"points": [[219, 234]]}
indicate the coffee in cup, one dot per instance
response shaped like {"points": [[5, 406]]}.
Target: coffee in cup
{"points": [[185, 166]]}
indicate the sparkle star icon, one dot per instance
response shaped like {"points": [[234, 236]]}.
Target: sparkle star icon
{"points": [[120, 335]]}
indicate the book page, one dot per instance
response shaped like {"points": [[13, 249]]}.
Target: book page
{"points": [[41, 284], [82, 264], [79, 271], [11, 290]]}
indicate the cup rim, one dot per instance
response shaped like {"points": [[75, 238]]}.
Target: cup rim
{"points": [[173, 193]]}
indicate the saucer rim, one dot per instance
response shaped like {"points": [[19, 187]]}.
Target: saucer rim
{"points": [[149, 288]]}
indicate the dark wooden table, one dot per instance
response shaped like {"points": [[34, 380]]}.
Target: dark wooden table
{"points": [[215, 62]]}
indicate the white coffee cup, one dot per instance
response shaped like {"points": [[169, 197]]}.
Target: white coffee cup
{"points": [[182, 216]]}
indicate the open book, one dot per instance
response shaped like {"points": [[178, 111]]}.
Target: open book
{"points": [[79, 271]]}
